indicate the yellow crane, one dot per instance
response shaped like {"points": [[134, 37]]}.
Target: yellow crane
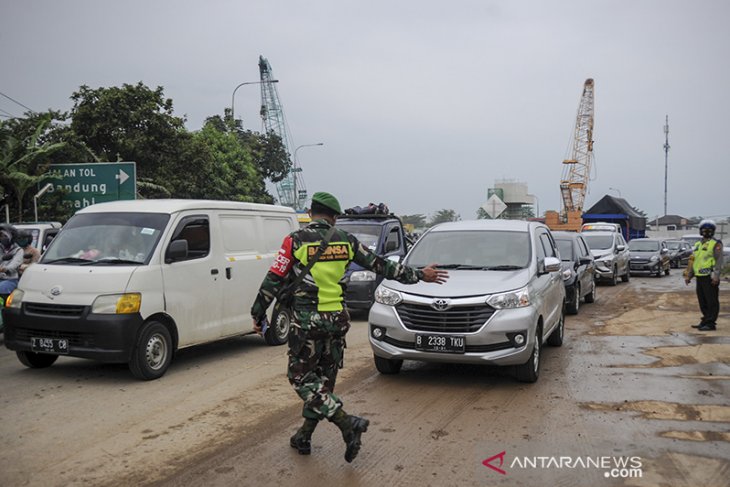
{"points": [[576, 170]]}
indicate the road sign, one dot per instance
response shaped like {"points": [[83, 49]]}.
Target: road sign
{"points": [[494, 206], [90, 183]]}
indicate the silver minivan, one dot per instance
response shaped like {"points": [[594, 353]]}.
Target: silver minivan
{"points": [[502, 301]]}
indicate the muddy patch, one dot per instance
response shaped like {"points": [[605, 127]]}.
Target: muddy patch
{"points": [[697, 435], [667, 410], [678, 469], [686, 355]]}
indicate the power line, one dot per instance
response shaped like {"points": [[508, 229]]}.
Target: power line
{"points": [[7, 114], [16, 101]]}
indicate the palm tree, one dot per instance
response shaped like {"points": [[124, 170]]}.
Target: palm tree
{"points": [[23, 163]]}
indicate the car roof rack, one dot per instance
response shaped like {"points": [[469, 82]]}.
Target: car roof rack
{"points": [[367, 216]]}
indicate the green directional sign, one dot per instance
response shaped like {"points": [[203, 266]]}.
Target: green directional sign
{"points": [[89, 183]]}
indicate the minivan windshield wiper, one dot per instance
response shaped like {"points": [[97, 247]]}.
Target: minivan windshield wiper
{"points": [[504, 268]]}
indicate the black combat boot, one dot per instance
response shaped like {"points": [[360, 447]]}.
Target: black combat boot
{"points": [[302, 439], [352, 428]]}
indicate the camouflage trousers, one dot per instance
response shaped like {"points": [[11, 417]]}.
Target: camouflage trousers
{"points": [[316, 353]]}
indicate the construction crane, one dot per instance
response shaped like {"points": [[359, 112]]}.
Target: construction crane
{"points": [[576, 170], [291, 190]]}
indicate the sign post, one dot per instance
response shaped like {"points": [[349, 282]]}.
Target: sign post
{"points": [[90, 183]]}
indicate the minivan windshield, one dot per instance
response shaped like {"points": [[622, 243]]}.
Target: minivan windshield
{"points": [[107, 239], [643, 246], [599, 242], [367, 235], [472, 249]]}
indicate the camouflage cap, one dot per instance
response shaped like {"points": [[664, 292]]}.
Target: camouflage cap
{"points": [[326, 199]]}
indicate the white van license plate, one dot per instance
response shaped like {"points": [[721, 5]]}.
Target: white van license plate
{"points": [[441, 343], [49, 345]]}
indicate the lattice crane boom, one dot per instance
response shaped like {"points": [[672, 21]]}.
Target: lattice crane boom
{"points": [[291, 190], [576, 170]]}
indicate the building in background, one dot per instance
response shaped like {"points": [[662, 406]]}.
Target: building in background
{"points": [[514, 194]]}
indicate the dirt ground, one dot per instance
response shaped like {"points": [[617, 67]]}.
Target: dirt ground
{"points": [[632, 381]]}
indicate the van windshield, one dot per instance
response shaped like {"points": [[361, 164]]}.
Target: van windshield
{"points": [[481, 249], [107, 239], [367, 235]]}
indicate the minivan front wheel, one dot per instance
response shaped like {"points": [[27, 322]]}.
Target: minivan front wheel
{"points": [[573, 304], [387, 366], [530, 370], [153, 352]]}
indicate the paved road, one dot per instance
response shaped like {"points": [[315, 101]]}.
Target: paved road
{"points": [[632, 383]]}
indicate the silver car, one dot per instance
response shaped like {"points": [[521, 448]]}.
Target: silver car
{"points": [[502, 301]]}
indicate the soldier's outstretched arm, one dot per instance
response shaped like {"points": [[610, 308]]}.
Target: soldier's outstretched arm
{"points": [[393, 270]]}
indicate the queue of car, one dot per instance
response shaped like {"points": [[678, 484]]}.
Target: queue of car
{"points": [[511, 283]]}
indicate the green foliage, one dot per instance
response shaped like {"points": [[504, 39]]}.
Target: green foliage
{"points": [[442, 216], [482, 214], [418, 221]]}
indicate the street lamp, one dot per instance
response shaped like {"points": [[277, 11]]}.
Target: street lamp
{"points": [[617, 190], [297, 169], [233, 96], [40, 193]]}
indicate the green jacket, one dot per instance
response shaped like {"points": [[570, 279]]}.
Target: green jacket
{"points": [[324, 288]]}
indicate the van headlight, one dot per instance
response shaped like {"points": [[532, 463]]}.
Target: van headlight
{"points": [[119, 304], [386, 296], [360, 276], [15, 299], [513, 299]]}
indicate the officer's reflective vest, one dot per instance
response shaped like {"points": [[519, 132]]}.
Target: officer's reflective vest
{"points": [[704, 258]]}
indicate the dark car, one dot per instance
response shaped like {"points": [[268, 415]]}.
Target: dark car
{"points": [[383, 235], [679, 252], [578, 269], [649, 255]]}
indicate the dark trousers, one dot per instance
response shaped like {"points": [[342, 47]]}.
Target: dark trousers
{"points": [[709, 297]]}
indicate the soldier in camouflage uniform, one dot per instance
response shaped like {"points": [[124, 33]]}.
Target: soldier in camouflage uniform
{"points": [[320, 321]]}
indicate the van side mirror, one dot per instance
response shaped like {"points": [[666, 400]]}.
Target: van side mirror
{"points": [[177, 250]]}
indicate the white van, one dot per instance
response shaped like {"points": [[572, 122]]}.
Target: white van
{"points": [[600, 227], [134, 281]]}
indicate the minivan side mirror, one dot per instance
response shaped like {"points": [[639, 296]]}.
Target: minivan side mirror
{"points": [[177, 250], [551, 264], [620, 248]]}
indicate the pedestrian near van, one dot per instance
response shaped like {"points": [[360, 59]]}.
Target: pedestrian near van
{"points": [[705, 265], [315, 259], [10, 260], [31, 255]]}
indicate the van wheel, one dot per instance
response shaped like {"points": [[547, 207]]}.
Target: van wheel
{"points": [[153, 352], [556, 337], [36, 360], [387, 366], [627, 276], [278, 332], [530, 370]]}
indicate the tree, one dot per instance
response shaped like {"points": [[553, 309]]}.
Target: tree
{"points": [[418, 220], [23, 161], [482, 214], [442, 216]]}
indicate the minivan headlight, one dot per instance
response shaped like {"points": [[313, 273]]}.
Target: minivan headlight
{"points": [[386, 296], [654, 258], [119, 304], [360, 276], [513, 299]]}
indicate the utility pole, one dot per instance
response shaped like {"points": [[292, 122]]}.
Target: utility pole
{"points": [[666, 161]]}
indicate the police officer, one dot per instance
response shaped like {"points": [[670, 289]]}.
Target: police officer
{"points": [[705, 265], [320, 321]]}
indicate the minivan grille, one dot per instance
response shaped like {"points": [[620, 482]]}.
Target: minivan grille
{"points": [[458, 319], [71, 311]]}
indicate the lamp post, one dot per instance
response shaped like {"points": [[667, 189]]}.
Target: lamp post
{"points": [[38, 195], [233, 96], [617, 190], [296, 169]]}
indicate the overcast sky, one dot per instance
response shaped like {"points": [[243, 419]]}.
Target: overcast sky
{"points": [[420, 104]]}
